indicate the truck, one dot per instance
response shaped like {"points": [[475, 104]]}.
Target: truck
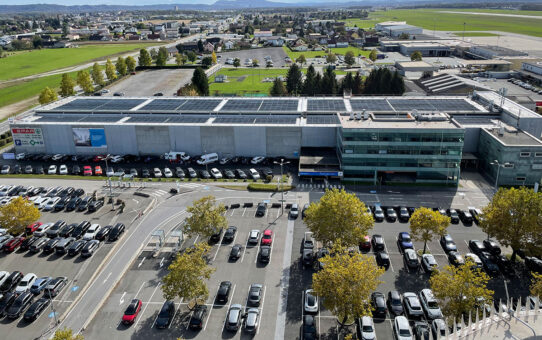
{"points": [[175, 156]]}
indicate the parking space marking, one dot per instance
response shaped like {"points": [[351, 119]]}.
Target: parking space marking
{"points": [[145, 308], [263, 302], [232, 211], [156, 318], [218, 248], [135, 296], [256, 259], [244, 211], [245, 249], [278, 212], [228, 309], [386, 250], [174, 314], [210, 310]]}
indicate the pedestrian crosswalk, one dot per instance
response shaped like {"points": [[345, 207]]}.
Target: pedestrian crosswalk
{"points": [[191, 186], [320, 186]]}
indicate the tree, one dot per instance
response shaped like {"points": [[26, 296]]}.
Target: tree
{"points": [[180, 59], [349, 58], [67, 85], [536, 285], [236, 62], [255, 62], [17, 214], [397, 85], [161, 59], [110, 70], [357, 87], [200, 46], [154, 54], [404, 36], [191, 56], [188, 275], [187, 91], [200, 81], [329, 82], [310, 87], [37, 41], [301, 59], [207, 61], [373, 54], [144, 58], [130, 64], [416, 56], [97, 75], [337, 216], [84, 81], [293, 80], [205, 217], [47, 96], [347, 82], [458, 289], [180, 48], [331, 58], [66, 334], [121, 67], [426, 224], [513, 218], [278, 89], [213, 57], [346, 281]]}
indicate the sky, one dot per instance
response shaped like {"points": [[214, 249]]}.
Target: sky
{"points": [[117, 2]]}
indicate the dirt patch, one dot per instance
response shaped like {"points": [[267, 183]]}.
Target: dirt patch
{"points": [[242, 78], [16, 108]]}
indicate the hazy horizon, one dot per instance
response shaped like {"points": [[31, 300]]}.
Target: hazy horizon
{"points": [[131, 3]]}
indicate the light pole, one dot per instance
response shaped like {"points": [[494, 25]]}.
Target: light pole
{"points": [[109, 180], [499, 166], [282, 163]]}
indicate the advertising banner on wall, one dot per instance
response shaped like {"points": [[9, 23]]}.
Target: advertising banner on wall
{"points": [[27, 137], [89, 137]]}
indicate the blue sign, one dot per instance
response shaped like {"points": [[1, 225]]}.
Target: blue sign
{"points": [[52, 315], [75, 288], [330, 173], [97, 137]]}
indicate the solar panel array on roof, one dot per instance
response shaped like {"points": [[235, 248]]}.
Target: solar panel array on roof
{"points": [[275, 120], [453, 105], [86, 104], [370, 104], [286, 105], [324, 105], [182, 119], [82, 104], [98, 119], [199, 105], [255, 120], [147, 119], [411, 104], [234, 120], [121, 104], [243, 105], [56, 119], [327, 119], [444, 105], [163, 105]]}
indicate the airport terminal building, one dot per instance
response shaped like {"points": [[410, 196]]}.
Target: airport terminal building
{"points": [[362, 139]]}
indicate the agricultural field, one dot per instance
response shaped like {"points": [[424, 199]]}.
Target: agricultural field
{"points": [[44, 60], [339, 51], [438, 20], [476, 34]]}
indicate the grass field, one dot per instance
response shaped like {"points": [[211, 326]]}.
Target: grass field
{"points": [[476, 34], [39, 61], [313, 54], [434, 19]]}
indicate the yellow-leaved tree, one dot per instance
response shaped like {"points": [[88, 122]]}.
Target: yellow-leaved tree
{"points": [[206, 217], [66, 334], [426, 224], [536, 285], [17, 214]]}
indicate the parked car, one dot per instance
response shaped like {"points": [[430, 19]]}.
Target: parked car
{"points": [[477, 246], [309, 331], [38, 244], [26, 283], [430, 304], [49, 247], [429, 263], [378, 213], [492, 246], [6, 302], [261, 209], [365, 328], [13, 244], [21, 303], [255, 294], [95, 205], [267, 237], [76, 247], [62, 247], [264, 255], [448, 243], [411, 258], [413, 307], [229, 234], [234, 317], [311, 302], [421, 330], [455, 258], [365, 244], [235, 252], [223, 293], [92, 231], [401, 328], [198, 316], [395, 303], [454, 216], [116, 232], [55, 286], [89, 248], [40, 284], [132, 311], [378, 301], [391, 215], [251, 320], [254, 174], [378, 242], [294, 211], [383, 259], [254, 236], [404, 241], [167, 312]]}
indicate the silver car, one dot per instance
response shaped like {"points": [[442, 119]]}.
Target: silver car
{"points": [[430, 304], [413, 306], [252, 319], [367, 328], [311, 302], [254, 236], [234, 317]]}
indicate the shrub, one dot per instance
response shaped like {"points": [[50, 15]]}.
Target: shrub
{"points": [[2, 142], [267, 187]]}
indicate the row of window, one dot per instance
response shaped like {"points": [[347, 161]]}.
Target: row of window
{"points": [[360, 150], [401, 137], [528, 154], [400, 164]]}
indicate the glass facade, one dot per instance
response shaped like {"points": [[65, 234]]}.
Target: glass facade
{"points": [[401, 155]]}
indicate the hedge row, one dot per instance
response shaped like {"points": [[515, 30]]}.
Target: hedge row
{"points": [[268, 187]]}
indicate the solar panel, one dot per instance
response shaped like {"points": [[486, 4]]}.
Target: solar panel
{"points": [[98, 119], [370, 104], [411, 104], [56, 119], [199, 105], [275, 120], [120, 104], [449, 105], [182, 119], [163, 105], [279, 105], [86, 104], [325, 105], [141, 119], [234, 120], [242, 105], [328, 119]]}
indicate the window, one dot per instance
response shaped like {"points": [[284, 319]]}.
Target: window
{"points": [[524, 154], [509, 165], [520, 179], [538, 154]]}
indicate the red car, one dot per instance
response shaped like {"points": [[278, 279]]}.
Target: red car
{"points": [[365, 244], [87, 170], [14, 244], [98, 170], [98, 158], [32, 228], [131, 312], [267, 237]]}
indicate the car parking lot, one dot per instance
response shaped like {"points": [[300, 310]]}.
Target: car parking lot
{"points": [[277, 55]]}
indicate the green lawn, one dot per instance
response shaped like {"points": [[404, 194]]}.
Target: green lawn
{"points": [[313, 54], [39, 61], [435, 19], [476, 34], [245, 80]]}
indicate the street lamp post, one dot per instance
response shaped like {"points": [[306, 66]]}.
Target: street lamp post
{"points": [[499, 166], [109, 180], [282, 163]]}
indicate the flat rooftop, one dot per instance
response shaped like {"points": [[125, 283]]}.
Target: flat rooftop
{"points": [[513, 137], [400, 121]]}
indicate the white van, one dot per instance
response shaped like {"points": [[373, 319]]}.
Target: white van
{"points": [[208, 158], [175, 156]]}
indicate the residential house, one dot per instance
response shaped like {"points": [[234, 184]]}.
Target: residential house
{"points": [[261, 34], [190, 46], [73, 37], [229, 45], [172, 33], [208, 47], [273, 41]]}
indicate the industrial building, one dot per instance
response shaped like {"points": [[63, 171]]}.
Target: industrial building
{"points": [[362, 139]]}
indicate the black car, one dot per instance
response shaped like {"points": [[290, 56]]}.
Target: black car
{"points": [[261, 209], [455, 258], [265, 254], [395, 303], [67, 230], [6, 302], [117, 230], [229, 235], [36, 308], [215, 237], [267, 172], [166, 314], [84, 204], [73, 203], [20, 304], [60, 205], [476, 246], [404, 215], [465, 216], [39, 170], [49, 247], [378, 301], [103, 233], [391, 215], [304, 210], [76, 170], [96, 205], [223, 293], [81, 229], [378, 242], [488, 263], [492, 247], [229, 174], [66, 192], [235, 252], [308, 257], [90, 248], [241, 174], [17, 169], [454, 216], [448, 243], [309, 328], [205, 174], [78, 192], [28, 242], [145, 173], [196, 320], [421, 330], [76, 247], [383, 259], [55, 229]]}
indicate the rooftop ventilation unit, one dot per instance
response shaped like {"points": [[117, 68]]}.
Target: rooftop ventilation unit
{"points": [[365, 115], [501, 131], [351, 116], [358, 115]]}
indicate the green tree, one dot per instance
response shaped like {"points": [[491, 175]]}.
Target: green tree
{"points": [[301, 59], [346, 281], [357, 87], [18, 214], [349, 58], [47, 96], [84, 81], [337, 216], [187, 91], [66, 334], [162, 56], [536, 285], [278, 89], [200, 46], [236, 62], [130, 64], [67, 85], [397, 84], [37, 42], [416, 56], [191, 56], [458, 289], [121, 67], [331, 58], [255, 62], [110, 70], [97, 75], [310, 86], [188, 275], [154, 54], [293, 80], [180, 59], [373, 54], [180, 48], [347, 82], [200, 81], [426, 224], [329, 82], [205, 217], [513, 218], [144, 58], [207, 61]]}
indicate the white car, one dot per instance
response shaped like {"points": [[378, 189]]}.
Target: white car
{"points": [[367, 328], [51, 203], [92, 231], [254, 236], [44, 202], [57, 157], [168, 173], [401, 328], [216, 173], [157, 173], [3, 276], [311, 302], [25, 284], [5, 189], [254, 173], [224, 161], [42, 229], [116, 159], [52, 170], [257, 160], [110, 172], [20, 156], [63, 170]]}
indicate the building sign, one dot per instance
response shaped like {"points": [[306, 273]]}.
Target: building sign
{"points": [[89, 137], [8, 155], [27, 137], [327, 173]]}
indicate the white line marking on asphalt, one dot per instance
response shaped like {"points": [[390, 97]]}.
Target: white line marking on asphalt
{"points": [[135, 297], [244, 211], [259, 244], [229, 305], [263, 302], [210, 310], [156, 318], [195, 240], [218, 248], [245, 249], [145, 308], [107, 278], [232, 211], [176, 311], [386, 250], [122, 298]]}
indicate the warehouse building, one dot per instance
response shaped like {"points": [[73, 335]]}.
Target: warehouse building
{"points": [[371, 139]]}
